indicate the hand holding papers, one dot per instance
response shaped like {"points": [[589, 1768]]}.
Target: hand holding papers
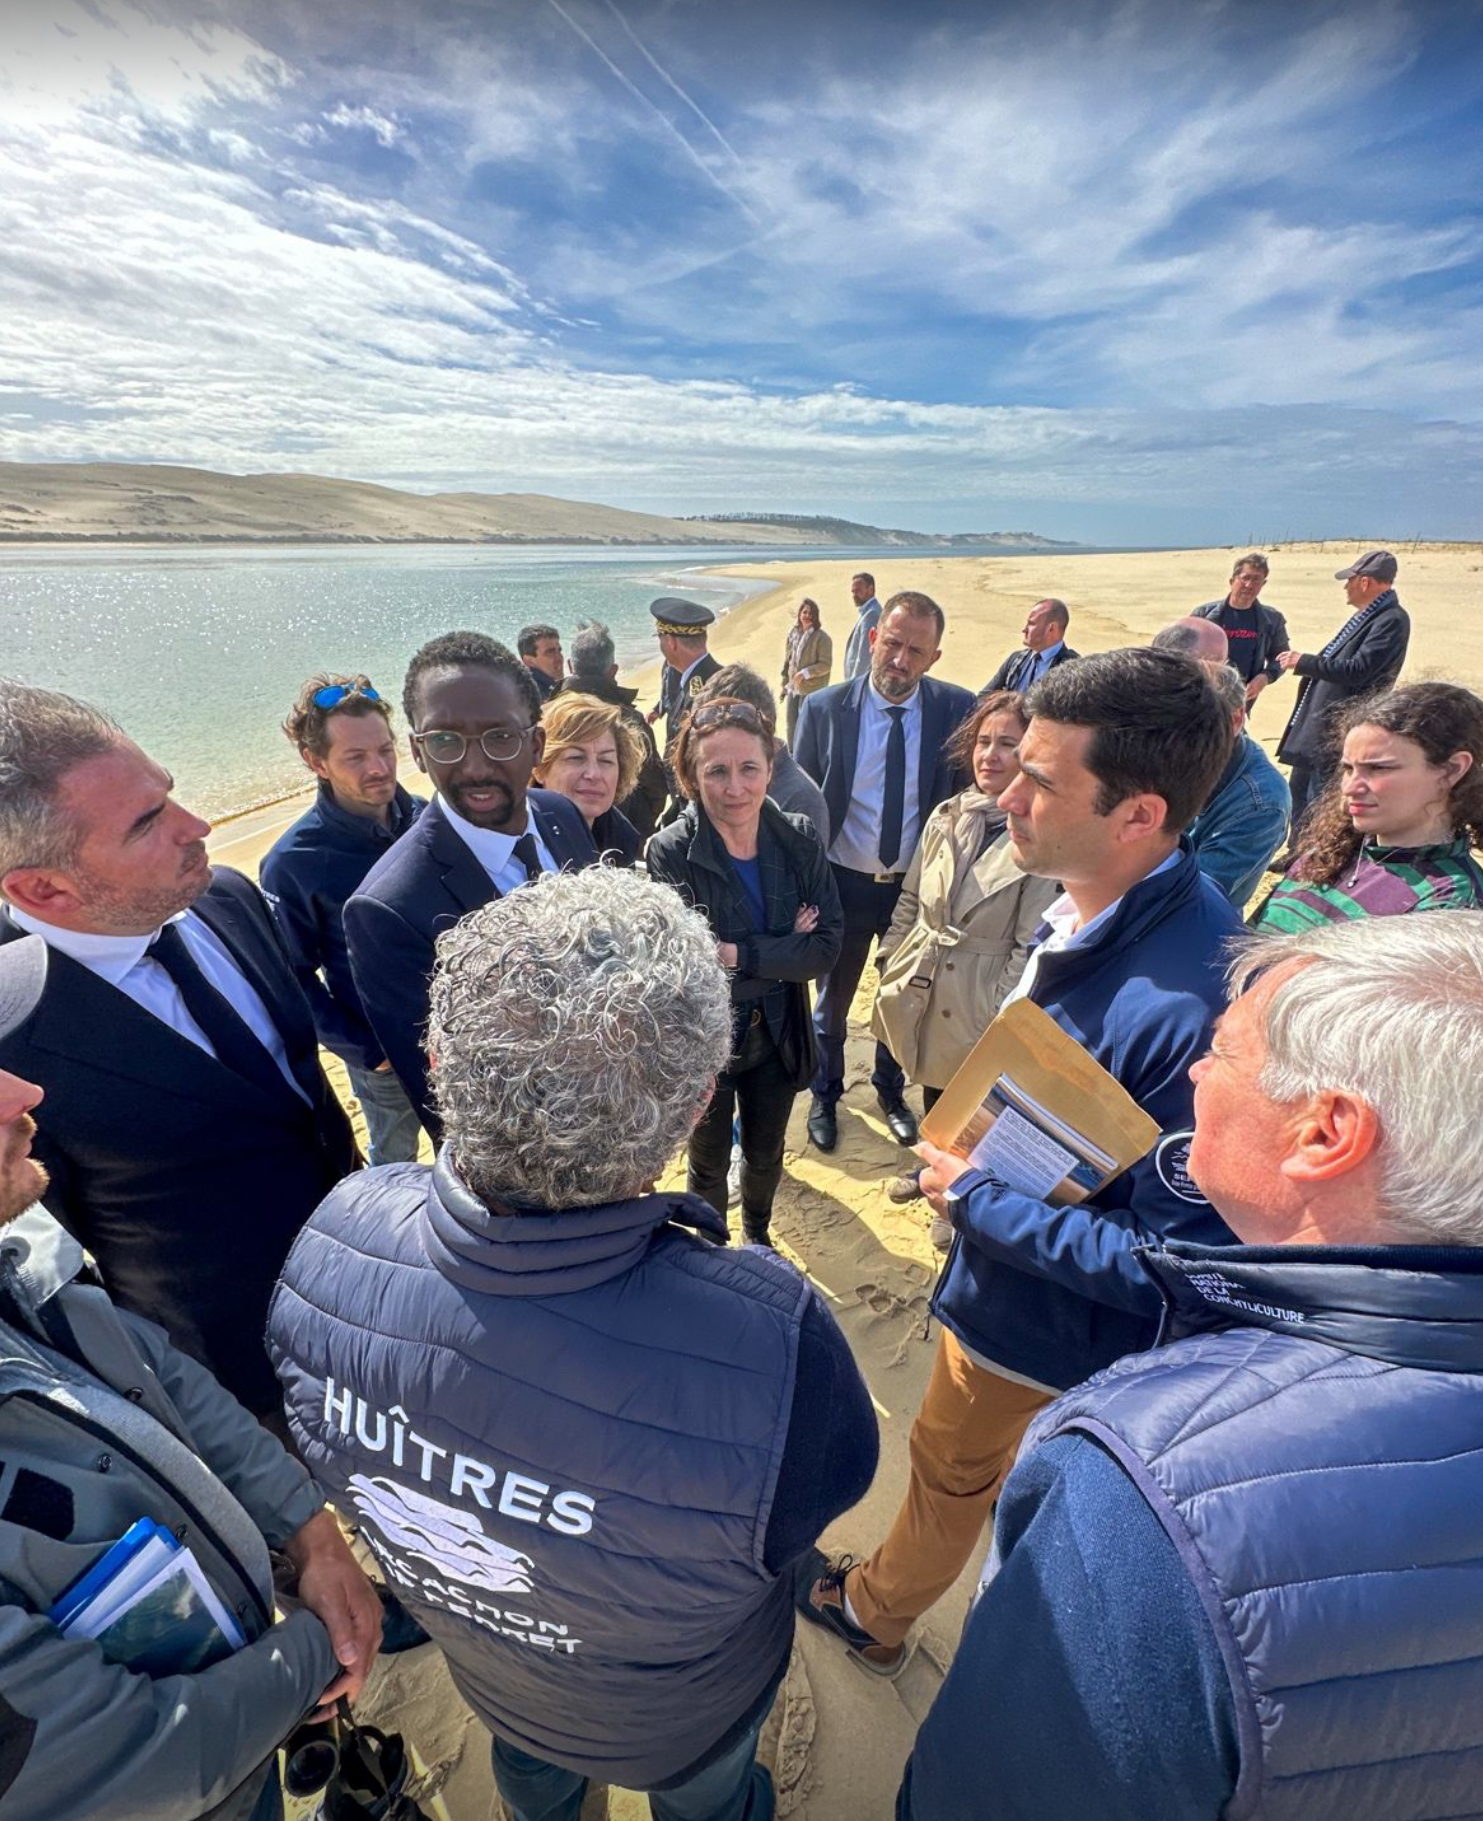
{"points": [[1030, 1108]]}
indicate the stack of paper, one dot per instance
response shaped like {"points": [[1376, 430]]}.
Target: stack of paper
{"points": [[149, 1605], [1034, 1111]]}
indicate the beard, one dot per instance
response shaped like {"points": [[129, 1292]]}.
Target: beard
{"points": [[116, 912], [23, 1181]]}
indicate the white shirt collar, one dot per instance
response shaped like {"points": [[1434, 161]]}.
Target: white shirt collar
{"points": [[109, 957], [1061, 916], [685, 673], [885, 702], [489, 846]]}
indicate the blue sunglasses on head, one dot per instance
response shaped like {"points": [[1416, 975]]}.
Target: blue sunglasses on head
{"points": [[333, 694]]}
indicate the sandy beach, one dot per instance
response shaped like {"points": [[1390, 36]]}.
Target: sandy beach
{"points": [[841, 1736]]}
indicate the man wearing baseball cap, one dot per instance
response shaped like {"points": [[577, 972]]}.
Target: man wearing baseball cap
{"points": [[103, 1422], [1364, 656]]}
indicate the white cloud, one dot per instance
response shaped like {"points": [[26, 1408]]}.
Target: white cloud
{"points": [[234, 310], [386, 131]]}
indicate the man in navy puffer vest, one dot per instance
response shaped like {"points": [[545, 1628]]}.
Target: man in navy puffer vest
{"points": [[1242, 1575], [585, 1443]]}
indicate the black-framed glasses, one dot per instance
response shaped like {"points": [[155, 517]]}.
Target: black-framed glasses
{"points": [[333, 694], [444, 747], [728, 714]]}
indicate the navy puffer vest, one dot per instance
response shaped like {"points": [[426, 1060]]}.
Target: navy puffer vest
{"points": [[562, 1432], [1318, 1463]]}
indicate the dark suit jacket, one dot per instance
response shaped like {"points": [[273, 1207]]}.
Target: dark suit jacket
{"points": [[678, 705], [186, 1183], [1368, 660], [1015, 666], [421, 886], [828, 743]]}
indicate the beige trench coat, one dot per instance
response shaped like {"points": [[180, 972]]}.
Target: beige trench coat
{"points": [[958, 942]]}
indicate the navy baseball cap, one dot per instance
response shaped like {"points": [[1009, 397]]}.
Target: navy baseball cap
{"points": [[1378, 563]]}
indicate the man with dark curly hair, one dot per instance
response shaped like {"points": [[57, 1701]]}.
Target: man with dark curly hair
{"points": [[474, 720]]}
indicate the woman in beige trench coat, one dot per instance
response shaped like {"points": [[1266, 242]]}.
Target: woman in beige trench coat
{"points": [[961, 933]]}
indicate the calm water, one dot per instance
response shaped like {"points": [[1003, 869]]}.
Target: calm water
{"points": [[198, 652]]}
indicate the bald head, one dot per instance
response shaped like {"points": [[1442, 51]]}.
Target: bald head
{"points": [[1194, 638]]}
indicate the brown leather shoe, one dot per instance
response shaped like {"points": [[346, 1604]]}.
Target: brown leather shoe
{"points": [[819, 1597]]}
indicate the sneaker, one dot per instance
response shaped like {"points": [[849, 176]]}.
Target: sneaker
{"points": [[819, 1597], [902, 1189], [733, 1179], [941, 1233]]}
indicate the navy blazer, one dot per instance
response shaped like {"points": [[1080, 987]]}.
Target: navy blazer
{"points": [[1012, 672], [422, 885], [827, 744], [187, 1183]]}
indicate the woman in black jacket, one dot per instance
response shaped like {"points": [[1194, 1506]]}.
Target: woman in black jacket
{"points": [[761, 880], [593, 756]]}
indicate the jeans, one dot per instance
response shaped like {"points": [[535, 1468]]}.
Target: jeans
{"points": [[269, 1805], [733, 1788], [867, 908], [1305, 782], [392, 1127], [759, 1085]]}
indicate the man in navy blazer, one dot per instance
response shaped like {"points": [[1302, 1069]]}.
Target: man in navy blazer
{"points": [[1045, 646], [877, 748], [474, 715], [187, 1126]]}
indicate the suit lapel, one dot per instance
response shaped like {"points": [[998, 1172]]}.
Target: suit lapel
{"points": [[851, 719], [464, 879], [554, 831]]}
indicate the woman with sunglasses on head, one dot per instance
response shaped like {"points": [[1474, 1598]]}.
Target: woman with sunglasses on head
{"points": [[1394, 831], [761, 880], [593, 756], [807, 661], [960, 935]]}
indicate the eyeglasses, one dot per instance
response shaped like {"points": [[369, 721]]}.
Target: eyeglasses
{"points": [[333, 694], [444, 747], [728, 714]]}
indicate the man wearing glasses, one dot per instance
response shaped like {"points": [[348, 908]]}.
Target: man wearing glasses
{"points": [[474, 713], [341, 729]]}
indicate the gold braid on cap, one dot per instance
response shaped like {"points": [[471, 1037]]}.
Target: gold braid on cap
{"points": [[678, 631]]}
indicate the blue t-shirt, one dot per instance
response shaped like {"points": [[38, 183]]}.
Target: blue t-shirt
{"points": [[749, 874]]}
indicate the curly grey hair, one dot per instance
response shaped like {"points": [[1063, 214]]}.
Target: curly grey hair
{"points": [[574, 1027]]}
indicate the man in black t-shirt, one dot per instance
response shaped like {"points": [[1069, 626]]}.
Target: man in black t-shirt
{"points": [[1255, 632]]}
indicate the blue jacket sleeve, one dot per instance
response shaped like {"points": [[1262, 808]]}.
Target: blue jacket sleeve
{"points": [[293, 912], [806, 741], [391, 965], [1088, 1680], [832, 1446], [1088, 1247], [1234, 841]]}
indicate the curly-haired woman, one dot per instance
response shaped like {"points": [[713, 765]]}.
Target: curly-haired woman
{"points": [[1395, 830]]}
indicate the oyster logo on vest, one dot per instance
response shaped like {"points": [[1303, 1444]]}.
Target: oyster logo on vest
{"points": [[450, 1541], [1171, 1160]]}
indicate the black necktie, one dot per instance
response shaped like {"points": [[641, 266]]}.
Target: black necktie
{"points": [[893, 798], [529, 856], [237, 1048]]}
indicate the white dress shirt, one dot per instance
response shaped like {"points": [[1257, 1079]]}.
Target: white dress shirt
{"points": [[495, 851], [857, 844], [123, 962], [1064, 933]]}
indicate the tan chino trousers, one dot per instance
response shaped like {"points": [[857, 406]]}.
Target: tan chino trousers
{"points": [[963, 1444]]}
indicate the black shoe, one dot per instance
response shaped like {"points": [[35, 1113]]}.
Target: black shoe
{"points": [[901, 1122], [823, 1127], [755, 1233], [818, 1594]]}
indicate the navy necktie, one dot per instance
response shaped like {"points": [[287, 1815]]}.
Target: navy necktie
{"points": [[237, 1048], [529, 857], [893, 798]]}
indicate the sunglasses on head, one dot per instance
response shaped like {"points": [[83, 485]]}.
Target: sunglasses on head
{"points": [[728, 714], [333, 694]]}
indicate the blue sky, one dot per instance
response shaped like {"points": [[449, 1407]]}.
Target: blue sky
{"points": [[1123, 273]]}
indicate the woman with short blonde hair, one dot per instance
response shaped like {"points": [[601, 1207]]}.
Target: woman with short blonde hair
{"points": [[593, 756]]}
